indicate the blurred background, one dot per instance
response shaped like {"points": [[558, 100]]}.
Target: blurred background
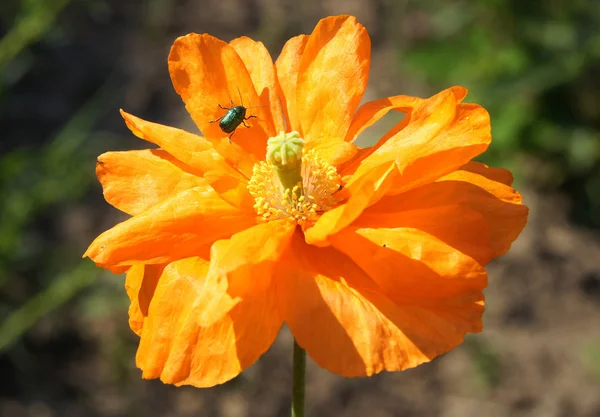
{"points": [[67, 66]]}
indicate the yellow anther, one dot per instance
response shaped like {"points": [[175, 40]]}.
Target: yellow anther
{"points": [[305, 201]]}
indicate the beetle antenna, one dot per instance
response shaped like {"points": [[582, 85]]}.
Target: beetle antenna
{"points": [[241, 99]]}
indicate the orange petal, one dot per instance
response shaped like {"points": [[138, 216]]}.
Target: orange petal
{"points": [[332, 78], [440, 137], [244, 262], [259, 63], [179, 227], [287, 67], [349, 327], [140, 284], [258, 248], [333, 151], [499, 204], [501, 175], [371, 112], [458, 226], [199, 154], [340, 217], [207, 72], [208, 322], [193, 150], [134, 181], [407, 262], [349, 167]]}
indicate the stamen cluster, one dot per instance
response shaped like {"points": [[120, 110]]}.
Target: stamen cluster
{"points": [[305, 201]]}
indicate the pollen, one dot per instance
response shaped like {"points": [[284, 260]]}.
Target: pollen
{"points": [[305, 201]]}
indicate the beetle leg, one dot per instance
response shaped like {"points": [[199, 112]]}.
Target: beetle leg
{"points": [[231, 136], [245, 125], [249, 117], [224, 108], [216, 120]]}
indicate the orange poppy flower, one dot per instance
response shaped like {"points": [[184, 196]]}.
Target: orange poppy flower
{"points": [[375, 259]]}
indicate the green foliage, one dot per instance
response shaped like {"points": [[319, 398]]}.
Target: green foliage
{"points": [[531, 65], [34, 20], [37, 181], [486, 362], [60, 290], [591, 358]]}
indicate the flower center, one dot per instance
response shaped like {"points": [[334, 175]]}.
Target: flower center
{"points": [[293, 183]]}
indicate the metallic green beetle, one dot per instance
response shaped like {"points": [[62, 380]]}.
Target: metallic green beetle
{"points": [[235, 116]]}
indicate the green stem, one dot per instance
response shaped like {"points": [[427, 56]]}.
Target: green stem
{"points": [[299, 381]]}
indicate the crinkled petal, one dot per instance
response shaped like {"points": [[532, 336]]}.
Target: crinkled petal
{"points": [[340, 217], [371, 112], [140, 284], [207, 322], [178, 349], [500, 175], [258, 247], [460, 227], [476, 187], [287, 67], [198, 153], [332, 78], [499, 204], [134, 181], [349, 167], [407, 262], [179, 227], [350, 327], [259, 63], [440, 137], [245, 262], [193, 150], [207, 72]]}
